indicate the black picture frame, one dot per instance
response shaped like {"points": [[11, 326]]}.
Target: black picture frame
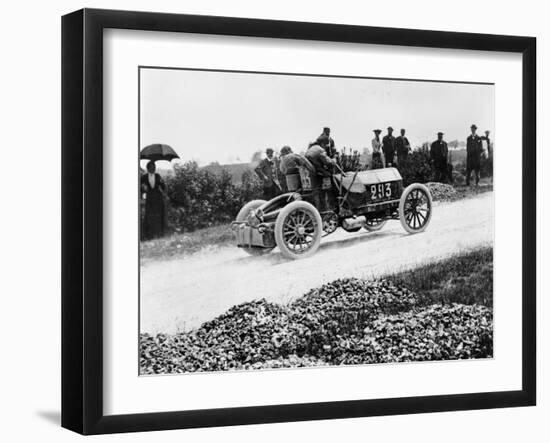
{"points": [[82, 218]]}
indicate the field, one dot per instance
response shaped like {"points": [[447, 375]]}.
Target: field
{"points": [[180, 245]]}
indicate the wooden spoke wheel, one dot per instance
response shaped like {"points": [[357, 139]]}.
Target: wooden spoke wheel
{"points": [[415, 208], [298, 230], [375, 224]]}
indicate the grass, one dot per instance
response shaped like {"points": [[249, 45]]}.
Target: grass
{"points": [[465, 278], [178, 245]]}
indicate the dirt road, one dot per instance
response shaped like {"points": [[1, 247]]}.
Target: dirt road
{"points": [[183, 293]]}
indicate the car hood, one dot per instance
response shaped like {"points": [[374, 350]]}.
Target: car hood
{"points": [[366, 178]]}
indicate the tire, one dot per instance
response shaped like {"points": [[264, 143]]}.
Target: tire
{"points": [[242, 216], [352, 230], [245, 210], [415, 208], [375, 225], [330, 223], [298, 230]]}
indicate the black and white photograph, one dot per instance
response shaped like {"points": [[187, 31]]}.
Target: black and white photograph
{"points": [[302, 220], [266, 222]]}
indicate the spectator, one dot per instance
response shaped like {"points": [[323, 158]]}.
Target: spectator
{"points": [[474, 148], [267, 170], [388, 147], [152, 188], [377, 156], [439, 152], [402, 148]]}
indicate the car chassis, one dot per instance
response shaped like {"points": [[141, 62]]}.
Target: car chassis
{"points": [[316, 206]]}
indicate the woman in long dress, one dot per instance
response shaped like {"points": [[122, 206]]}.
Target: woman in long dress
{"points": [[378, 160], [152, 186]]}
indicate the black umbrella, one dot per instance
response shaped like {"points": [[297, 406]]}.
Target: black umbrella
{"points": [[158, 152]]}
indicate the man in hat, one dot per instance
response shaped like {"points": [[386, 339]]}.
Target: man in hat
{"points": [[388, 147], [268, 171], [323, 164], [402, 148], [377, 157], [326, 142], [474, 148], [439, 155]]}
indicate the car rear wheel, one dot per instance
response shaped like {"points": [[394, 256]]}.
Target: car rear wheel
{"points": [[352, 230], [374, 224], [330, 223], [243, 215], [415, 208], [298, 230]]}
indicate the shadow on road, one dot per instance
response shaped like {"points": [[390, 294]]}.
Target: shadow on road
{"points": [[275, 257], [363, 237]]}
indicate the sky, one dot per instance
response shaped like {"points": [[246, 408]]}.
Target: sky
{"points": [[226, 117]]}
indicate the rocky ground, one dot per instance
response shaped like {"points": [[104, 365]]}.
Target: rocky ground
{"points": [[443, 192], [347, 321]]}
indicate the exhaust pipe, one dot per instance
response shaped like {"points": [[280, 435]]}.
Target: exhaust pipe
{"points": [[354, 222]]}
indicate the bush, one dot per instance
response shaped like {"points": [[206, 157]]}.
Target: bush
{"points": [[349, 161], [417, 167], [251, 187], [199, 198]]}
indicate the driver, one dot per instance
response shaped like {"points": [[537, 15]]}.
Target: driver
{"points": [[326, 142]]}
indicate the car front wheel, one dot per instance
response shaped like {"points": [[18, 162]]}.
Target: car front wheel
{"points": [[415, 208], [298, 230]]}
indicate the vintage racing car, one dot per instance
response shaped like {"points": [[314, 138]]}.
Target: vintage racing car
{"points": [[317, 206]]}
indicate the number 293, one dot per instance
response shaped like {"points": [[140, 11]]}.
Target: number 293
{"points": [[380, 190]]}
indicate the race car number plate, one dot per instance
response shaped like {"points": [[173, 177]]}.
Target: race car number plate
{"points": [[380, 191]]}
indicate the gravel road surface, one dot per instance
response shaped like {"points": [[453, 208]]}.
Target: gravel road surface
{"points": [[180, 294]]}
